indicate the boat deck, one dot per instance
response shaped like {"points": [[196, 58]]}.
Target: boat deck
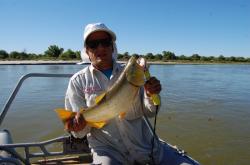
{"points": [[87, 159]]}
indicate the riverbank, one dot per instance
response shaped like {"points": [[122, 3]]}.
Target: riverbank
{"points": [[60, 62], [39, 62]]}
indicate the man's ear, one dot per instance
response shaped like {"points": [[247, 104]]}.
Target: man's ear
{"points": [[86, 51]]}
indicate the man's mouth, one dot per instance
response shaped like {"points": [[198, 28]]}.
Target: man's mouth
{"points": [[101, 55], [98, 59]]}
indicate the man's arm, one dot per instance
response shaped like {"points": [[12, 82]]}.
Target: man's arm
{"points": [[75, 101], [152, 86], [143, 105]]}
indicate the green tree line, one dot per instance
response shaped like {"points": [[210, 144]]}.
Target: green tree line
{"points": [[168, 56], [56, 53], [52, 53]]}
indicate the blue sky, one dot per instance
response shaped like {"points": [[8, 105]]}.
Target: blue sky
{"points": [[205, 27]]}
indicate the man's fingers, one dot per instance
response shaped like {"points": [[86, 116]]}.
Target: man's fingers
{"points": [[69, 125], [153, 80], [75, 124], [80, 119], [79, 122], [153, 86]]}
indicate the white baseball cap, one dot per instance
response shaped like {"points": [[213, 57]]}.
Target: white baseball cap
{"points": [[94, 27], [91, 28]]}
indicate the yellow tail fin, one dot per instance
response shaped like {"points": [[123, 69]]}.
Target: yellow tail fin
{"points": [[64, 115]]}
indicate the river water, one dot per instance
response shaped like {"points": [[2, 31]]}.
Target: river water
{"points": [[205, 108]]}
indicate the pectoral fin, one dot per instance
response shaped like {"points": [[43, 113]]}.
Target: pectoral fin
{"points": [[122, 115], [97, 125], [64, 115]]}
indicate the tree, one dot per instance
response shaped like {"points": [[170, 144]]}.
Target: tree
{"points": [[78, 55], [182, 57], [248, 60], [53, 51], [232, 59], [158, 57], [119, 56], [3, 54], [240, 59], [150, 56], [23, 56], [14, 55], [135, 55], [69, 54], [221, 58], [195, 57], [167, 55], [126, 56], [204, 58], [211, 58]]}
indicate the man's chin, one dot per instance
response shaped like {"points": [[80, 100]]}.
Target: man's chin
{"points": [[102, 65]]}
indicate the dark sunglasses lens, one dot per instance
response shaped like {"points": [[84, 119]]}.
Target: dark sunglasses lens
{"points": [[106, 42], [94, 43]]}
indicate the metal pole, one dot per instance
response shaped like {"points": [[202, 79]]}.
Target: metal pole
{"points": [[19, 84]]}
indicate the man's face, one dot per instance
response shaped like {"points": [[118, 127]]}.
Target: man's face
{"points": [[99, 48]]}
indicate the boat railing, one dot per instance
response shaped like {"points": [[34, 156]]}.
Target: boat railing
{"points": [[19, 84], [69, 146]]}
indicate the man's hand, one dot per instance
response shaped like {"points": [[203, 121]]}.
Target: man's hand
{"points": [[75, 124], [152, 86]]}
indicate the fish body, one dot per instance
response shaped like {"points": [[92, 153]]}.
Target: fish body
{"points": [[116, 101]]}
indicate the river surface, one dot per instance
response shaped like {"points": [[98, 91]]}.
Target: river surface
{"points": [[205, 108]]}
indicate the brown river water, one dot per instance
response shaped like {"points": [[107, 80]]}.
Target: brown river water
{"points": [[205, 108]]}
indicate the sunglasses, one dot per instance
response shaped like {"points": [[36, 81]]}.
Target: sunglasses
{"points": [[93, 44]]}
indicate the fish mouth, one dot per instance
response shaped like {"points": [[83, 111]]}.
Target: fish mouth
{"points": [[142, 62]]}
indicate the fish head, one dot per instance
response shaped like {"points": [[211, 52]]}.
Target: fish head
{"points": [[135, 72]]}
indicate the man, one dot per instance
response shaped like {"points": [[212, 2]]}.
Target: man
{"points": [[123, 140]]}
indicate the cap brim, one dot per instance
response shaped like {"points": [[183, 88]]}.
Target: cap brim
{"points": [[97, 30]]}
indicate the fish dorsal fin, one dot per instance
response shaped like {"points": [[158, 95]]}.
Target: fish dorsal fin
{"points": [[97, 125], [64, 115], [100, 97]]}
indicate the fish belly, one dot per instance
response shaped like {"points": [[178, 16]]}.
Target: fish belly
{"points": [[121, 101]]}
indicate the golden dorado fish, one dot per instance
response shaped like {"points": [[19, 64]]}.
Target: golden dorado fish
{"points": [[116, 101]]}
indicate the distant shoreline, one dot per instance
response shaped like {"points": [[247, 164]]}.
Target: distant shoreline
{"points": [[43, 62], [38, 62]]}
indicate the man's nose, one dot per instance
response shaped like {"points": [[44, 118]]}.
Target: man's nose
{"points": [[100, 46]]}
